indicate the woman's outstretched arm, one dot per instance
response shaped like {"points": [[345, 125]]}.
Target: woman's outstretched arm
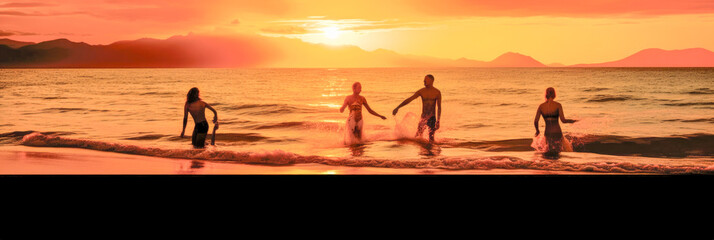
{"points": [[562, 116], [215, 122], [215, 114], [344, 105], [369, 109]]}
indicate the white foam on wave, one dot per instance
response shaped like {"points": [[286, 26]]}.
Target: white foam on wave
{"points": [[279, 157], [540, 145], [339, 136]]}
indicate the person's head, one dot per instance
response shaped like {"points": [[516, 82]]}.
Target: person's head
{"points": [[428, 80], [356, 88], [550, 93], [192, 95]]}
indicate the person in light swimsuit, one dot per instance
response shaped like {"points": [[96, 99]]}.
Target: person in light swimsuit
{"points": [[430, 100], [551, 111], [197, 108], [354, 102]]}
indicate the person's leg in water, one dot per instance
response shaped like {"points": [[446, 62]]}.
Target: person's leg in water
{"points": [[357, 130], [198, 139], [420, 128], [554, 145], [431, 123], [213, 136]]}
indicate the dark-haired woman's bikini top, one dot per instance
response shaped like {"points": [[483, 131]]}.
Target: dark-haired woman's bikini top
{"points": [[553, 116]]}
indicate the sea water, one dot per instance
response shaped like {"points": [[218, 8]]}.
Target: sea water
{"points": [[657, 120]]}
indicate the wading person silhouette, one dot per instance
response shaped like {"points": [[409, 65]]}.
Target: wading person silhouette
{"points": [[354, 121], [551, 111], [197, 108], [430, 100]]}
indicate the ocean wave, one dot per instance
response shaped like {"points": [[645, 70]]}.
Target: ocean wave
{"points": [[64, 110], [701, 91], [158, 93], [225, 137], [279, 157], [510, 104], [595, 89], [613, 98], [267, 109], [512, 145], [474, 125], [323, 126], [674, 146], [51, 98], [16, 136], [689, 104], [472, 103], [709, 120], [507, 90], [281, 125], [147, 137], [235, 121]]}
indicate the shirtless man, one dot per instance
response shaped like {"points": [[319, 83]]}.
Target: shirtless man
{"points": [[430, 100]]}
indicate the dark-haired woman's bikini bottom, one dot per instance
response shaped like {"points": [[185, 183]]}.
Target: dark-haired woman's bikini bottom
{"points": [[198, 139]]}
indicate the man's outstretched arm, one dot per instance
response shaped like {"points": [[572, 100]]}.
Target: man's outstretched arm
{"points": [[405, 102]]}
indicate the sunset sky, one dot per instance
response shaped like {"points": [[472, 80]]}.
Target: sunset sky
{"points": [[550, 31]]}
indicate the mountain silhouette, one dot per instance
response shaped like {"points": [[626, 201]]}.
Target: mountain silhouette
{"points": [[177, 51], [655, 57], [511, 59], [194, 50], [227, 51], [14, 44]]}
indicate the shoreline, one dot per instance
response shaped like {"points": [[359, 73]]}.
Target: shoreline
{"points": [[25, 160]]}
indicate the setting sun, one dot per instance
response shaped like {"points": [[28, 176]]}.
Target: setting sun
{"points": [[331, 32]]}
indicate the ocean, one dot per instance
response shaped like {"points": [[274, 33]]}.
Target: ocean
{"points": [[631, 120]]}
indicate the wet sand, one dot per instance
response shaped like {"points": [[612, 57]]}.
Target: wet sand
{"points": [[23, 160]]}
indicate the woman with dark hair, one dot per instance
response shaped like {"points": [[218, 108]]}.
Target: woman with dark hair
{"points": [[552, 111], [197, 108]]}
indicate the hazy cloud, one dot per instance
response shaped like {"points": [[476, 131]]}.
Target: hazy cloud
{"points": [[563, 8], [38, 14], [14, 13], [22, 5], [357, 25], [4, 33], [285, 30]]}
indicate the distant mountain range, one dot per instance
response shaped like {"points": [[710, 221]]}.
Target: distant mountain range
{"points": [[655, 57], [258, 51], [180, 51], [13, 43]]}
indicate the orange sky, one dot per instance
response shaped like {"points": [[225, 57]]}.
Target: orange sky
{"points": [[562, 31]]}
